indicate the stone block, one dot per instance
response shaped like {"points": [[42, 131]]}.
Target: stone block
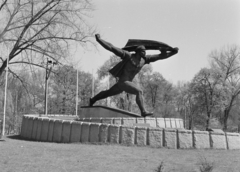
{"points": [[128, 135], [86, 119], [85, 132], [107, 120], [50, 130], [140, 120], [141, 125], [178, 123], [170, 138], [44, 132], [57, 131], [233, 140], [34, 129], [94, 132], [129, 121], [185, 139], [201, 139], [141, 136], [155, 137], [80, 119], [218, 140], [151, 121], [103, 133], [66, 131], [29, 127], [114, 132], [160, 123], [173, 123], [117, 121], [96, 120], [217, 130], [75, 131], [167, 123], [181, 123], [23, 127], [39, 129]]}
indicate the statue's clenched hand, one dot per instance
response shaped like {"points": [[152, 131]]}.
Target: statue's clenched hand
{"points": [[165, 49], [176, 49], [97, 36]]}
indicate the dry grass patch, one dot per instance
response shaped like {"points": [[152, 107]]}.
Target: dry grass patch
{"points": [[20, 155]]}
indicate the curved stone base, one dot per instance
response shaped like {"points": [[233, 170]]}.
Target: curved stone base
{"points": [[122, 131]]}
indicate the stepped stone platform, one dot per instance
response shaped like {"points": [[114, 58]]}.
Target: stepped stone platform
{"points": [[103, 111], [147, 122]]}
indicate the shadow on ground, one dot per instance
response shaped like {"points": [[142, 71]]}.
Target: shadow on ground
{"points": [[15, 137]]}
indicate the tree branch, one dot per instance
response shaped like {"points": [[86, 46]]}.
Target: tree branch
{"points": [[3, 4]]}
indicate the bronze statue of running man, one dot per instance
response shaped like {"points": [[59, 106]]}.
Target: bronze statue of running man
{"points": [[126, 70]]}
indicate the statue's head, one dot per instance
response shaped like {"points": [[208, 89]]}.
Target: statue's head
{"points": [[141, 50]]}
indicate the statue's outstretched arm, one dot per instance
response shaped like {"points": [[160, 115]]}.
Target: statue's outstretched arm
{"points": [[108, 46], [165, 53]]}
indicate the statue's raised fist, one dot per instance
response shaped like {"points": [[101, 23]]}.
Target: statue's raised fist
{"points": [[97, 36]]}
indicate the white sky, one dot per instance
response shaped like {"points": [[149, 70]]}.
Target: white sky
{"points": [[197, 27]]}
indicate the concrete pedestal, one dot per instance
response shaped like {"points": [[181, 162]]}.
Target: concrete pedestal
{"points": [[104, 112]]}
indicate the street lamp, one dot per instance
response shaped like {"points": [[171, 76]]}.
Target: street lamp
{"points": [[5, 97], [77, 95], [48, 71]]}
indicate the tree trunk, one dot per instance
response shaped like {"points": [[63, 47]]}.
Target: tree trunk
{"points": [[2, 68], [225, 119], [64, 102], [208, 121], [190, 122]]}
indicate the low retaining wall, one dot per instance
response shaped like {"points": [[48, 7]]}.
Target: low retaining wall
{"points": [[152, 122], [113, 131]]}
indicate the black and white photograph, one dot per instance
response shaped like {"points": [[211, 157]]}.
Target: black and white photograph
{"points": [[120, 86]]}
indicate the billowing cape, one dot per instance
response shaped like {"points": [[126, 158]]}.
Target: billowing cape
{"points": [[117, 70], [132, 44]]}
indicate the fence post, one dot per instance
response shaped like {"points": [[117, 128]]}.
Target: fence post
{"points": [[0, 129]]}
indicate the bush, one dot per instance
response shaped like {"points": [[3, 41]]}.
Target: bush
{"points": [[160, 168], [205, 165]]}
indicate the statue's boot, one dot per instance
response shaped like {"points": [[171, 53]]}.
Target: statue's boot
{"points": [[91, 102], [144, 113], [99, 96]]}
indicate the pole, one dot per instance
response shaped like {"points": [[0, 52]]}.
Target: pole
{"points": [[185, 116], [108, 86], [48, 72], [77, 96], [5, 97], [92, 84], [46, 90]]}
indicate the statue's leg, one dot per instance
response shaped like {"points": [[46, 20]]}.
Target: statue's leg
{"points": [[114, 90], [132, 88]]}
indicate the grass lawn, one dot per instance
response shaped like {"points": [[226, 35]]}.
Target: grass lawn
{"points": [[19, 155]]}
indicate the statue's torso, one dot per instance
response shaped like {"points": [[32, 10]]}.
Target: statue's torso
{"points": [[132, 67]]}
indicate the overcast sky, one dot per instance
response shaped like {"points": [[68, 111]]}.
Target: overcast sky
{"points": [[197, 27]]}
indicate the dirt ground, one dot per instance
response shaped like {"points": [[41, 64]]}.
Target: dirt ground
{"points": [[19, 155]]}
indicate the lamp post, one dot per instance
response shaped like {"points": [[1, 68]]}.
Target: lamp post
{"points": [[93, 85], [5, 98], [48, 71], [108, 87], [185, 117], [77, 95]]}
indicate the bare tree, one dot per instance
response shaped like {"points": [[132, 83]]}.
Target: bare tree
{"points": [[205, 87], [34, 30], [227, 63], [186, 104]]}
